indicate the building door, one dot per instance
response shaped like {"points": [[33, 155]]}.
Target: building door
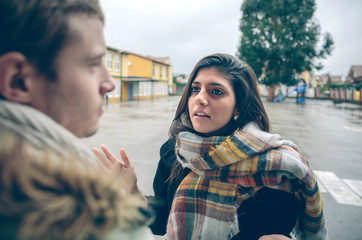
{"points": [[130, 91]]}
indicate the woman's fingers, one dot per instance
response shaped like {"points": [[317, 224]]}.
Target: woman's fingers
{"points": [[110, 160], [107, 158], [109, 155], [101, 157], [125, 167], [125, 158]]}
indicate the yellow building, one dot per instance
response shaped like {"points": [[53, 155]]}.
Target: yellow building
{"points": [[306, 76], [162, 74], [137, 76], [113, 65]]}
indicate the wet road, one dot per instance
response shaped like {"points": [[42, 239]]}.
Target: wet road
{"points": [[328, 135]]}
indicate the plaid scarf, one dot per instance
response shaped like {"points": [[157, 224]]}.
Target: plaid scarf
{"points": [[226, 170]]}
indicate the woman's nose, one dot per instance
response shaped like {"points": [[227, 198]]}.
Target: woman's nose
{"points": [[201, 98]]}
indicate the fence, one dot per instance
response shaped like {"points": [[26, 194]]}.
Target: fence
{"points": [[346, 95], [338, 95], [351, 95]]}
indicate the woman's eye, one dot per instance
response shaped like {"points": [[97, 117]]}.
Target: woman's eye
{"points": [[195, 89], [217, 92]]}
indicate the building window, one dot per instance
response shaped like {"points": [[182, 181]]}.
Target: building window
{"points": [[110, 61], [118, 60], [156, 88], [153, 69], [117, 89], [149, 89], [143, 89], [110, 94], [160, 72], [135, 89]]}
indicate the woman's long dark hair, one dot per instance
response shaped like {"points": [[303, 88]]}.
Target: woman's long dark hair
{"points": [[244, 82]]}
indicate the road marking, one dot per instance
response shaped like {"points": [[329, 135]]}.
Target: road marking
{"points": [[321, 186], [336, 187], [353, 128], [355, 185]]}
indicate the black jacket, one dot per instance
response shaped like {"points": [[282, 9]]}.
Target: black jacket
{"points": [[267, 212]]}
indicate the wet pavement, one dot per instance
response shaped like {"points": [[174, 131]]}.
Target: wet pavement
{"points": [[328, 135]]}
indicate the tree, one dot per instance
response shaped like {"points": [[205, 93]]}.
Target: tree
{"points": [[280, 39]]}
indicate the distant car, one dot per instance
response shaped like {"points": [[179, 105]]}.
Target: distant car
{"points": [[327, 93]]}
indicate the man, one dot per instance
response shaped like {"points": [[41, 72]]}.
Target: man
{"points": [[52, 86]]}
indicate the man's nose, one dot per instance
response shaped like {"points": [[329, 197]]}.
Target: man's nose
{"points": [[108, 83]]}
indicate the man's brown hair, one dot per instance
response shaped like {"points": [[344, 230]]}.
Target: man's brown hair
{"points": [[39, 29]]}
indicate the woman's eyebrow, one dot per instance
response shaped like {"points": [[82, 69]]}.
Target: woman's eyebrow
{"points": [[212, 84], [217, 84]]}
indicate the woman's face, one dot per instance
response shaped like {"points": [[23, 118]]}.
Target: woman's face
{"points": [[212, 101]]}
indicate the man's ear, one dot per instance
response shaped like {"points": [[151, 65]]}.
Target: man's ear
{"points": [[16, 76]]}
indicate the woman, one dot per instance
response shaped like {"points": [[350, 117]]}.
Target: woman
{"points": [[222, 175]]}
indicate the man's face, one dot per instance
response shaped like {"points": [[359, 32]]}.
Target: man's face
{"points": [[76, 98]]}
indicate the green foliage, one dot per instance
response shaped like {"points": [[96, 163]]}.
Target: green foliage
{"points": [[279, 39], [324, 88], [339, 85], [176, 75], [358, 87]]}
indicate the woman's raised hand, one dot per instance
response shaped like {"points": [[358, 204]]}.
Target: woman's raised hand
{"points": [[111, 161], [123, 166]]}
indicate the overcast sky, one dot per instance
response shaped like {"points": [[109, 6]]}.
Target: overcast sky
{"points": [[188, 30]]}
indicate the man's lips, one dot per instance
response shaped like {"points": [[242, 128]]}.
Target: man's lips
{"points": [[101, 110]]}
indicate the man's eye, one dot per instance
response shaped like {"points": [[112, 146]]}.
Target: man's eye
{"points": [[217, 92], [96, 64], [195, 89]]}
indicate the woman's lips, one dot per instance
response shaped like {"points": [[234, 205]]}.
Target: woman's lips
{"points": [[201, 115]]}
